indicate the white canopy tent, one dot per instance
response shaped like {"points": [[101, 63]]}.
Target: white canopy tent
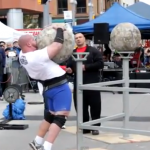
{"points": [[8, 34]]}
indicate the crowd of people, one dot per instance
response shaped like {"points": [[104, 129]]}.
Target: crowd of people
{"points": [[5, 48], [140, 57]]}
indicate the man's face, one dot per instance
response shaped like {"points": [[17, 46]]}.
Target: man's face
{"points": [[15, 44], [9, 45], [105, 59], [79, 39], [33, 42], [117, 58], [2, 46], [6, 52]]}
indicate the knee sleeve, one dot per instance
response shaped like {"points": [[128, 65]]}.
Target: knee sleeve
{"points": [[48, 116], [60, 120]]}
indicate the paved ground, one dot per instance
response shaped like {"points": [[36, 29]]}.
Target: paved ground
{"points": [[111, 104]]}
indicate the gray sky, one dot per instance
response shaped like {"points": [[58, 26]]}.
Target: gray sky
{"points": [[145, 1]]}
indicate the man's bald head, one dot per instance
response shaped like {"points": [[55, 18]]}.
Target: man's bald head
{"points": [[80, 40], [79, 34], [24, 39], [27, 43]]}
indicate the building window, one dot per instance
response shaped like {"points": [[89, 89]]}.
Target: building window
{"points": [[62, 6], [81, 6]]}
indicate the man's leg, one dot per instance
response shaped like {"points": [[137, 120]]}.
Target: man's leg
{"points": [[62, 99], [75, 100], [86, 116], [38, 141], [95, 108], [1, 90], [44, 127]]}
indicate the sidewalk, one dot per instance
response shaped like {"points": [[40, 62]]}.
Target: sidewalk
{"points": [[111, 104]]}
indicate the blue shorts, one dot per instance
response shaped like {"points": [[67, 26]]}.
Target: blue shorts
{"points": [[58, 98]]}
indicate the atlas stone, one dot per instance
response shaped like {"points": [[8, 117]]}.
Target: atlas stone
{"points": [[46, 37], [125, 37]]}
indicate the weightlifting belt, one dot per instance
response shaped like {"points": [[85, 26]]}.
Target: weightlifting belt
{"points": [[48, 84], [55, 85]]}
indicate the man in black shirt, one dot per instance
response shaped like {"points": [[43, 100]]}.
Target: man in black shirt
{"points": [[91, 74], [2, 65]]}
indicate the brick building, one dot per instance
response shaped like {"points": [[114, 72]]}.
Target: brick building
{"points": [[11, 12]]}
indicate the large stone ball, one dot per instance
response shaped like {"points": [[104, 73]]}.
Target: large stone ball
{"points": [[125, 37], [47, 36]]}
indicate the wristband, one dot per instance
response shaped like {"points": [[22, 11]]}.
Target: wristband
{"points": [[59, 36]]}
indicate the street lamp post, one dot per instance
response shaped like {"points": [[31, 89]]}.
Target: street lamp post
{"points": [[74, 4], [121, 2], [90, 4], [101, 4], [46, 15]]}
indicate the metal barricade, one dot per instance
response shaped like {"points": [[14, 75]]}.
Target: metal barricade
{"points": [[18, 73], [101, 87]]}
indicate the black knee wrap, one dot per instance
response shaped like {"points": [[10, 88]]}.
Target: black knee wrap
{"points": [[60, 120], [48, 116]]}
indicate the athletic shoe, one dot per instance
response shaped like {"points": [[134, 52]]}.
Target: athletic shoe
{"points": [[36, 146], [64, 127]]}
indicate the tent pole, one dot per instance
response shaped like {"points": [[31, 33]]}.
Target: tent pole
{"points": [[46, 18], [90, 4], [74, 6], [121, 2]]}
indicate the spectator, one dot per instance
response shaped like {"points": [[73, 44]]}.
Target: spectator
{"points": [[117, 60], [100, 48], [3, 44], [16, 47], [107, 52], [2, 66], [147, 56], [91, 74], [106, 57], [6, 53], [9, 46]]}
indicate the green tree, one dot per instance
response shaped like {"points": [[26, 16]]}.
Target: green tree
{"points": [[30, 22]]}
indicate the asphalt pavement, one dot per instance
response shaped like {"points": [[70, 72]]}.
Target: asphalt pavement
{"points": [[111, 104]]}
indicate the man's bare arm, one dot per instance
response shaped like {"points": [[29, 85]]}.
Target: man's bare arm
{"points": [[54, 49], [57, 45]]}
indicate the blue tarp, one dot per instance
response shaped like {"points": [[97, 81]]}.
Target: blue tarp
{"points": [[18, 109], [114, 15]]}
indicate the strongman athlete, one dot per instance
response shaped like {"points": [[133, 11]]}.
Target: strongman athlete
{"points": [[56, 92]]}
